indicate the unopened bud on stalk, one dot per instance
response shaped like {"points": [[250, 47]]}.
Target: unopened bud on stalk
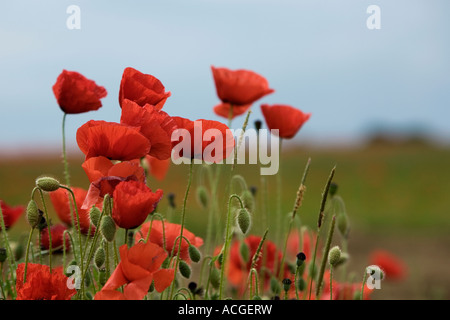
{"points": [[3, 255], [214, 278], [244, 250], [202, 196], [343, 259], [275, 286], [287, 284], [185, 269], [33, 215], [334, 256], [165, 263], [108, 228], [194, 254], [107, 204], [102, 276], [100, 257], [47, 184], [95, 214], [220, 259], [243, 220], [248, 200]]}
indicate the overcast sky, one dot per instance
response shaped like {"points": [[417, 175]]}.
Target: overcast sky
{"points": [[318, 55]]}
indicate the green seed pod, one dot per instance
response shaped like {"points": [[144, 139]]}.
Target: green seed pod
{"points": [[3, 255], [102, 276], [47, 184], [202, 196], [33, 215], [100, 257], [275, 286], [248, 200], [292, 267], [194, 254], [95, 214], [108, 228], [334, 255], [244, 251], [184, 269], [243, 220], [286, 284], [214, 278], [301, 284]]}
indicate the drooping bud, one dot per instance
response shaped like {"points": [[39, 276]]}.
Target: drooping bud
{"points": [[3, 255], [47, 184], [171, 198], [343, 259], [220, 259], [194, 254], [94, 215], [287, 284], [301, 257], [202, 196], [248, 200], [33, 215], [102, 276], [243, 220], [165, 263], [334, 256], [107, 209], [184, 269], [214, 278], [275, 286], [108, 228], [245, 252], [100, 257]]}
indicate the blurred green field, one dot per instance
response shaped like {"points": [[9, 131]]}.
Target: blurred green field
{"points": [[397, 198]]}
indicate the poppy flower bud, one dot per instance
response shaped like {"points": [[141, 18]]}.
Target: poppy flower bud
{"points": [[185, 269], [47, 184], [214, 278], [301, 257], [202, 196], [243, 220], [334, 256], [287, 284], [244, 250], [248, 200], [3, 255], [258, 125], [102, 276], [301, 284], [95, 214], [107, 204], [275, 286], [165, 263], [171, 198], [343, 259], [108, 228], [333, 189], [33, 215], [194, 254], [100, 257], [220, 259]]}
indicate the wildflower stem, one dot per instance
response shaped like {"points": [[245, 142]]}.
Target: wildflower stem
{"points": [[66, 163], [1, 281], [363, 284], [331, 282], [228, 235], [41, 193], [26, 255], [324, 257], [183, 216]]}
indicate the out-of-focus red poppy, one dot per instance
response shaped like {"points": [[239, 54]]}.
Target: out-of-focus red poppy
{"points": [[223, 110], [171, 231], [157, 126], [10, 214], [105, 176], [210, 141], [347, 291], [138, 267], [77, 94], [158, 168], [288, 120], [133, 202], [41, 284], [57, 232], [112, 140], [239, 87], [63, 203], [142, 89], [393, 267]]}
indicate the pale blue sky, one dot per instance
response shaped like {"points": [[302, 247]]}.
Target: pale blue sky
{"points": [[318, 56]]}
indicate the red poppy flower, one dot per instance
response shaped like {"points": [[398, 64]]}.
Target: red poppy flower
{"points": [[347, 291], [111, 140], [286, 119], [171, 231], [158, 168], [41, 284], [157, 126], [63, 203], [203, 135], [223, 110], [77, 94], [142, 89], [239, 87], [133, 202], [393, 267], [57, 232], [10, 214], [138, 267]]}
